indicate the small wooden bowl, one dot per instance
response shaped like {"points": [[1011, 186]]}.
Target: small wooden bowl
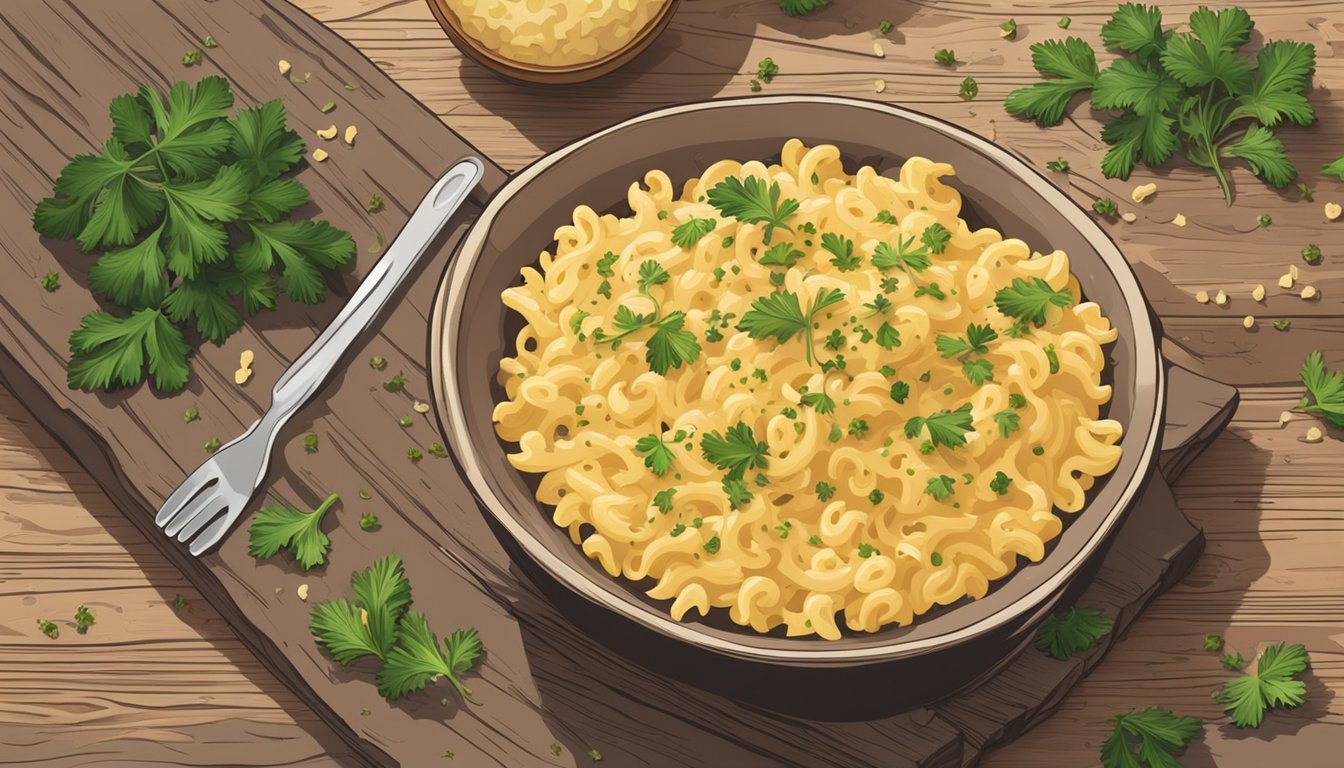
{"points": [[546, 75]]}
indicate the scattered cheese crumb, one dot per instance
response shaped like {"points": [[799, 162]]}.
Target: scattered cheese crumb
{"points": [[364, 616], [350, 133], [877, 50], [303, 592], [1309, 292], [319, 155], [1221, 298], [1286, 281], [1292, 271], [879, 86], [241, 376], [245, 358], [1314, 435], [420, 407], [1332, 211], [327, 133], [1285, 417], [1202, 297], [1179, 220], [1143, 192], [1248, 322], [284, 67], [1258, 293], [1129, 217]]}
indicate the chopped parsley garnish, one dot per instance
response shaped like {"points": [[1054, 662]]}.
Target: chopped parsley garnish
{"points": [[784, 529], [1058, 165], [191, 414], [437, 450], [935, 237], [677, 530], [1325, 390], [884, 26], [1282, 324], [781, 254], [940, 487], [368, 521], [946, 56], [83, 619], [670, 345], [1038, 450], [875, 496], [885, 217], [814, 540], [766, 69], [936, 559], [931, 289], [191, 57], [999, 483], [1213, 643], [690, 232], [278, 527], [867, 550], [712, 546], [1312, 254], [395, 384], [663, 499], [780, 315], [377, 363], [211, 445], [48, 628], [835, 341], [1232, 662], [406, 421], [900, 391], [1008, 29], [1158, 735], [414, 455], [801, 7], [820, 401], [1052, 358], [1008, 422], [904, 256], [1106, 207], [1265, 220], [310, 441], [858, 427], [1072, 633], [946, 428], [375, 204], [751, 201], [1029, 300], [51, 282], [975, 341], [880, 305], [658, 457], [1017, 400], [969, 89], [824, 490], [888, 337], [736, 451], [605, 264], [842, 251]]}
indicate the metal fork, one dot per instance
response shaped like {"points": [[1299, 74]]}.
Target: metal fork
{"points": [[207, 504]]}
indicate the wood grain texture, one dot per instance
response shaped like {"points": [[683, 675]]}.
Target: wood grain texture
{"points": [[1262, 489]]}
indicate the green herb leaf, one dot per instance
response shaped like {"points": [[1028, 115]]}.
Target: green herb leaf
{"points": [[1072, 633], [1028, 301], [801, 7], [1277, 93], [736, 452], [781, 255], [416, 660], [888, 337], [657, 456], [1158, 734], [935, 237], [946, 56], [945, 428], [1274, 684], [752, 201], [900, 391], [1207, 53], [1106, 207], [820, 401], [738, 496], [368, 626], [842, 251], [999, 483], [1263, 151], [1008, 422], [83, 619], [904, 256], [1071, 68], [1334, 168], [108, 352], [671, 344], [1325, 390], [940, 487], [689, 232], [969, 89], [276, 527]]}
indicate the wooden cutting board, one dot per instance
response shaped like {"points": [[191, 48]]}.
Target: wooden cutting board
{"points": [[543, 681]]}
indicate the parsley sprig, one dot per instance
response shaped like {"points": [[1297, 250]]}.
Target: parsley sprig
{"points": [[1028, 300], [967, 348], [1274, 684], [780, 315], [945, 428], [1325, 390], [1072, 633], [753, 202], [379, 623], [1148, 737], [189, 208], [670, 345], [278, 527], [1190, 92], [736, 450]]}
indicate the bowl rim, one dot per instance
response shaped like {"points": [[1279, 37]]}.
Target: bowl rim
{"points": [[1149, 376], [546, 74]]}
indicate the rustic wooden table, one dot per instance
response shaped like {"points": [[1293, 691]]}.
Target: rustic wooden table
{"points": [[1268, 501]]}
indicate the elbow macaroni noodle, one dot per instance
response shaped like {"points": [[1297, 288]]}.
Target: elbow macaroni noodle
{"points": [[878, 549], [554, 32]]}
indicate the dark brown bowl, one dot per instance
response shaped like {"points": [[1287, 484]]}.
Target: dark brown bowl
{"points": [[860, 674], [545, 75]]}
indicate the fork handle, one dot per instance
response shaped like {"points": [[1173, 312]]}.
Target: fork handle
{"points": [[306, 375]]}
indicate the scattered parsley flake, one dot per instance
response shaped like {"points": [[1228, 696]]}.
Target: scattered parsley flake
{"points": [[48, 628], [1052, 358], [310, 443], [377, 363], [663, 500], [1008, 422], [84, 619], [801, 7], [1213, 643], [884, 26], [766, 70], [900, 391], [1058, 165], [368, 521], [191, 58], [946, 56], [375, 204], [1265, 220], [935, 237], [712, 546], [857, 427], [210, 42], [1282, 324], [1232, 662], [191, 414], [946, 428], [51, 282], [691, 231], [212, 445], [999, 483], [437, 450], [940, 487], [1008, 29], [1105, 206], [414, 455], [396, 383], [1029, 300], [969, 89], [867, 550], [1312, 254]]}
